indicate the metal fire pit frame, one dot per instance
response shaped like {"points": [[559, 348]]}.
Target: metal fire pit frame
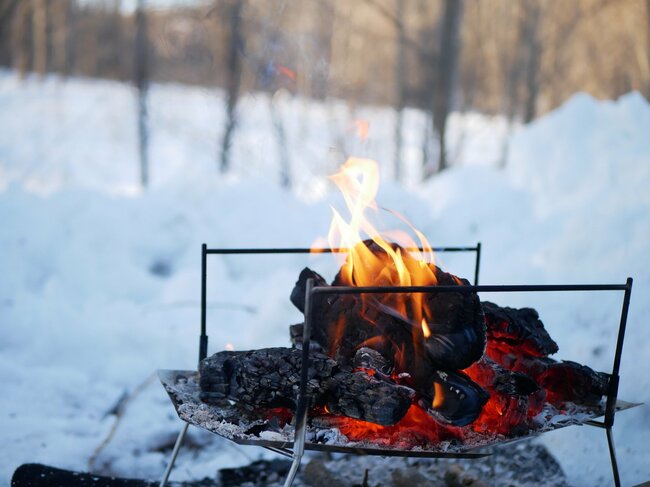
{"points": [[311, 290]]}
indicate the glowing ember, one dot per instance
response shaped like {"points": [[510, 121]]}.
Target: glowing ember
{"points": [[417, 428]]}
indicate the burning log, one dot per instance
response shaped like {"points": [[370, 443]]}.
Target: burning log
{"points": [[507, 410], [519, 327], [493, 376], [270, 378], [454, 398], [450, 397], [518, 341], [450, 335], [418, 337], [571, 381], [298, 292]]}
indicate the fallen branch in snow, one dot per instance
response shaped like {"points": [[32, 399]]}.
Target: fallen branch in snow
{"points": [[118, 410]]}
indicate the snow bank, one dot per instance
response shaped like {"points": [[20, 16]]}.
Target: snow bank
{"points": [[100, 283], [571, 207]]}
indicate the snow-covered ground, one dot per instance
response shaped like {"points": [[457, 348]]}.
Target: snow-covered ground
{"points": [[99, 281]]}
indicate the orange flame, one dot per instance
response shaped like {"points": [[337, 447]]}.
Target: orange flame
{"points": [[362, 128], [425, 329], [380, 262], [358, 181]]}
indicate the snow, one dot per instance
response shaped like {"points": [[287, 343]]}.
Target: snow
{"points": [[100, 281]]}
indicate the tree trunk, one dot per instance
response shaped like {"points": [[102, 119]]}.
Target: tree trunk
{"points": [[141, 74], [446, 75], [512, 81], [647, 81], [234, 73], [400, 87], [321, 71], [20, 46], [39, 36], [60, 15], [7, 13], [533, 48], [281, 138]]}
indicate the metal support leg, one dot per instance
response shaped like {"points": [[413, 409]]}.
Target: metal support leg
{"points": [[172, 460], [493, 466], [304, 400], [298, 451], [612, 456]]}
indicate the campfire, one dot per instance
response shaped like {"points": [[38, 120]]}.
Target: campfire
{"points": [[410, 369], [395, 357]]}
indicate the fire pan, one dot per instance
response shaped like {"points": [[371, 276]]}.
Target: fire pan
{"points": [[237, 425], [226, 421]]}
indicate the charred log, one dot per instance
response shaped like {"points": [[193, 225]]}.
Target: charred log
{"points": [[520, 328], [570, 381], [457, 324], [562, 381], [508, 408], [299, 290], [450, 397], [491, 375], [270, 378], [371, 360], [343, 323], [454, 398]]}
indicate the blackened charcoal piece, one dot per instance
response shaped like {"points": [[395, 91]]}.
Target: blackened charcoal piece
{"points": [[369, 398], [520, 328], [298, 292], [457, 325], [371, 360], [570, 381], [489, 374], [453, 398], [506, 412], [562, 381], [296, 332], [343, 323], [270, 378]]}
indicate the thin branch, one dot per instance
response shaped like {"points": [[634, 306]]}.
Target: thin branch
{"points": [[118, 410]]}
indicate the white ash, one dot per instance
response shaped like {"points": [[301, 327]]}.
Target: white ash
{"points": [[238, 425]]}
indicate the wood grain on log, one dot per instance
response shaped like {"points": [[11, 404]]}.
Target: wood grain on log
{"points": [[269, 378]]}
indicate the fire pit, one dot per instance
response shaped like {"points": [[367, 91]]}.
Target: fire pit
{"points": [[394, 357], [292, 438]]}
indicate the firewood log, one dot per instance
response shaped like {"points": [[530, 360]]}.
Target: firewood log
{"points": [[270, 378]]}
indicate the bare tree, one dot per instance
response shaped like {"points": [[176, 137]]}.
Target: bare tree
{"points": [[60, 29], [400, 86], [325, 28], [647, 13], [141, 75], [7, 9], [281, 138], [233, 66], [530, 34], [447, 68], [20, 46], [39, 36]]}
